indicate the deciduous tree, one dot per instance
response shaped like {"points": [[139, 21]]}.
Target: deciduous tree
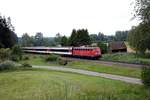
{"points": [[139, 38], [7, 36], [26, 40], [142, 10], [38, 39]]}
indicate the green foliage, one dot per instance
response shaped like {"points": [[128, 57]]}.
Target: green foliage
{"points": [[72, 39], [26, 65], [62, 61], [25, 58], [48, 41], [8, 65], [141, 33], [98, 37], [7, 37], [79, 38], [83, 37], [121, 35], [93, 38], [118, 57], [146, 76], [139, 38], [64, 41], [4, 54], [38, 39], [26, 40], [101, 37], [58, 38], [127, 57], [51, 57], [142, 10], [103, 47], [14, 58], [16, 52]]}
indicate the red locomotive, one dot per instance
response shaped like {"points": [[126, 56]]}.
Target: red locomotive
{"points": [[91, 52]]}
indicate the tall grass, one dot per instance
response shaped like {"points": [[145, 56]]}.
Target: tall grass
{"points": [[52, 85]]}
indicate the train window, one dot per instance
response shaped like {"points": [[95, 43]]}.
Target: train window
{"points": [[59, 50]]}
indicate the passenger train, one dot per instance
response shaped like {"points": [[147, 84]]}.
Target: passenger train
{"points": [[90, 52]]}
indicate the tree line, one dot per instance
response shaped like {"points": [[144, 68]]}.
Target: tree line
{"points": [[80, 37], [37, 40], [119, 36]]}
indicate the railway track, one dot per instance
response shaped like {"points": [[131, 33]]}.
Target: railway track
{"points": [[110, 63]]}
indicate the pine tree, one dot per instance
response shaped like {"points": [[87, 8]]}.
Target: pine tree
{"points": [[73, 38], [64, 41]]}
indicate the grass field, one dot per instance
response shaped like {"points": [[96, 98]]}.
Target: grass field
{"points": [[127, 57], [118, 70], [51, 85]]}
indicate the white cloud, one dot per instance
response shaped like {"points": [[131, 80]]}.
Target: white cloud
{"points": [[53, 16]]}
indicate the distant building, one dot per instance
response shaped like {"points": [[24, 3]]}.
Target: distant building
{"points": [[117, 46]]}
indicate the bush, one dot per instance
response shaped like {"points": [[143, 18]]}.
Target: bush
{"points": [[14, 58], [8, 65], [26, 58], [26, 65], [4, 54], [146, 76], [52, 57], [62, 61], [103, 47], [17, 51]]}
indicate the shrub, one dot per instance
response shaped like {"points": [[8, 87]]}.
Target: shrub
{"points": [[26, 65], [14, 58], [62, 61], [146, 76], [17, 51], [26, 58], [52, 57], [8, 65], [4, 54], [103, 47]]}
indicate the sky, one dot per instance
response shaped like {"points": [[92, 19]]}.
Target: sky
{"points": [[61, 16]]}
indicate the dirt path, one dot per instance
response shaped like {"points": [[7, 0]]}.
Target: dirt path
{"points": [[92, 73]]}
